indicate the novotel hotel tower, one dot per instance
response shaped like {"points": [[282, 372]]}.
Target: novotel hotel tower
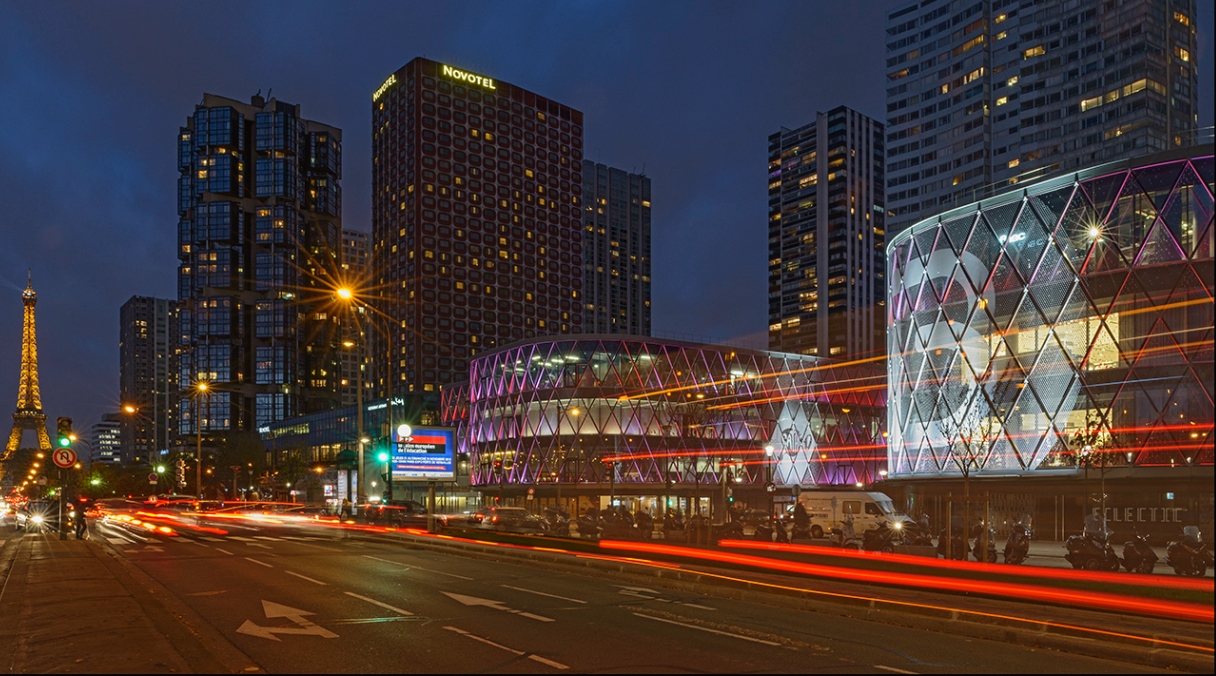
{"points": [[476, 218]]}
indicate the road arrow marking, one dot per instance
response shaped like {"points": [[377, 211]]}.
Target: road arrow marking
{"points": [[273, 610], [496, 605]]}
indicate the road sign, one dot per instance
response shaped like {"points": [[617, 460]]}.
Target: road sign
{"points": [[770, 487], [796, 490], [296, 615], [64, 457], [153, 478]]}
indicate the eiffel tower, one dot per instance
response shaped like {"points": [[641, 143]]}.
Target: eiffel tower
{"points": [[29, 415]]}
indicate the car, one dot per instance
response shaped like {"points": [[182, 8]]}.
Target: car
{"points": [[507, 519], [38, 516], [402, 514]]}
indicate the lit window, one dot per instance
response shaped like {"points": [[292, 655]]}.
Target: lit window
{"points": [[1002, 101], [1014, 162], [1034, 51], [1182, 54], [1182, 18]]}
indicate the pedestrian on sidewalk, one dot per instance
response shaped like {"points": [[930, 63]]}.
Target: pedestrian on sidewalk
{"points": [[78, 519], [345, 513]]}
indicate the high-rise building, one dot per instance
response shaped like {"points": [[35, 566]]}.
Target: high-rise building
{"points": [[105, 440], [826, 235], [259, 203], [148, 378], [476, 220], [356, 357], [984, 94], [616, 251]]}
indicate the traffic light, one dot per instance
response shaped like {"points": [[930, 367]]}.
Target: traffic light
{"points": [[382, 456], [65, 432]]}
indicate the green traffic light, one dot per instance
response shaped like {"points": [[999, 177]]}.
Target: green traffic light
{"points": [[65, 442], [160, 469], [95, 481], [382, 456]]}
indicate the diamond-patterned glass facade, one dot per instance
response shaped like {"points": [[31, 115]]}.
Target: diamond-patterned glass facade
{"points": [[560, 411], [1071, 317]]}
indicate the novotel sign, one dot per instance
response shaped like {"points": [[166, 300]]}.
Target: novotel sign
{"points": [[392, 80], [457, 74]]}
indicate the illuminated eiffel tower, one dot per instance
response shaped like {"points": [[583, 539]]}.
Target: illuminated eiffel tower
{"points": [[29, 415]]}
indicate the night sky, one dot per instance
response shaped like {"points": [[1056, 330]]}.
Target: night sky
{"points": [[92, 96]]}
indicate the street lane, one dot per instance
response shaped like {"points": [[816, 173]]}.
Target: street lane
{"points": [[470, 614]]}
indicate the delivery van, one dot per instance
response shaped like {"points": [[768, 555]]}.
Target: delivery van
{"points": [[827, 509]]}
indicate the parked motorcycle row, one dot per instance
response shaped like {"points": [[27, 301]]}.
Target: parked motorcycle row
{"points": [[1089, 550]]}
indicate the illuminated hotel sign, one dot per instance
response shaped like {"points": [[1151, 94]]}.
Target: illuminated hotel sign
{"points": [[455, 74], [392, 80]]}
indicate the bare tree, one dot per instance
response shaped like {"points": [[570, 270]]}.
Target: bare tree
{"points": [[1092, 445]]}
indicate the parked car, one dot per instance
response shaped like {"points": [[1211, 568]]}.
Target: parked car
{"points": [[402, 514], [507, 519]]}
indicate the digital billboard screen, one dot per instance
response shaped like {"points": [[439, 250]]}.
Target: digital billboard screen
{"points": [[424, 454]]}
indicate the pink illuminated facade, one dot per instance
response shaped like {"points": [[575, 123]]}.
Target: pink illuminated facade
{"points": [[643, 415]]}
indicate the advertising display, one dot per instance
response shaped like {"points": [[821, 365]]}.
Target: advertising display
{"points": [[423, 454]]}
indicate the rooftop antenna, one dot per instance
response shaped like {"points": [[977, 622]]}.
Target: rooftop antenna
{"points": [[259, 92], [268, 96]]}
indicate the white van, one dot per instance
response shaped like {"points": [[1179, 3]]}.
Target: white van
{"points": [[827, 508]]}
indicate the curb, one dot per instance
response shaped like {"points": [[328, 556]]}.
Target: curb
{"points": [[1030, 634]]}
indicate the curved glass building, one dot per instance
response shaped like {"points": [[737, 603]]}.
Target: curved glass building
{"points": [[641, 416], [1065, 324]]}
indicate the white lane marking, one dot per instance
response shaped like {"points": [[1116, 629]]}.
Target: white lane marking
{"points": [[225, 551], [378, 603], [894, 670], [536, 658], [541, 593], [267, 537], [120, 541], [208, 538], [260, 563], [712, 631], [238, 537], [496, 605], [410, 565], [301, 538], [257, 544], [694, 605], [305, 544], [305, 577]]}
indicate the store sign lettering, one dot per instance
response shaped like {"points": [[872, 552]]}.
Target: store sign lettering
{"points": [[469, 77], [392, 80], [1143, 514]]}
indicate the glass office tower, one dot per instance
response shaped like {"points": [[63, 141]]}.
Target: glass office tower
{"points": [[616, 250], [259, 206]]}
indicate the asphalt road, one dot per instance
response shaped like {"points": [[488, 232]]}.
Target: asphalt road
{"points": [[312, 599]]}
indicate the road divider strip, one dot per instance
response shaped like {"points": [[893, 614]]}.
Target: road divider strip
{"points": [[541, 593], [707, 629], [534, 658], [379, 603], [260, 563]]}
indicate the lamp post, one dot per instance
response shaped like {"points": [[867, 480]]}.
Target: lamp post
{"points": [[350, 298], [202, 388], [768, 453]]}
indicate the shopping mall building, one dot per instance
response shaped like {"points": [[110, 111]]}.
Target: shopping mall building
{"points": [[636, 421], [1056, 340]]}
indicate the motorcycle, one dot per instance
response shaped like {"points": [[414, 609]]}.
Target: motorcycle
{"points": [[977, 532], [845, 537], [557, 522], [958, 544], [1017, 546], [589, 524], [1189, 556], [1138, 557], [918, 534], [1091, 549], [883, 538]]}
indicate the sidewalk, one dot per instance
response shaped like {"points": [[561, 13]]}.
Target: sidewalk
{"points": [[68, 607]]}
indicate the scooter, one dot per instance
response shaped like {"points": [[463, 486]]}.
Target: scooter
{"points": [[978, 532], [1138, 557], [958, 544], [1017, 546], [1189, 556], [845, 536], [1091, 549], [557, 522], [918, 533], [883, 538]]}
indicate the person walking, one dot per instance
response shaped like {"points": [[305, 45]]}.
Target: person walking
{"points": [[79, 520], [346, 509]]}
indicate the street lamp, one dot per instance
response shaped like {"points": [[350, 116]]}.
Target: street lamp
{"points": [[768, 453], [202, 388], [133, 410]]}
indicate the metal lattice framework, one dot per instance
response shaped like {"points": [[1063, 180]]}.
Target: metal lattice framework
{"points": [[1071, 317], [29, 415], [555, 411]]}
